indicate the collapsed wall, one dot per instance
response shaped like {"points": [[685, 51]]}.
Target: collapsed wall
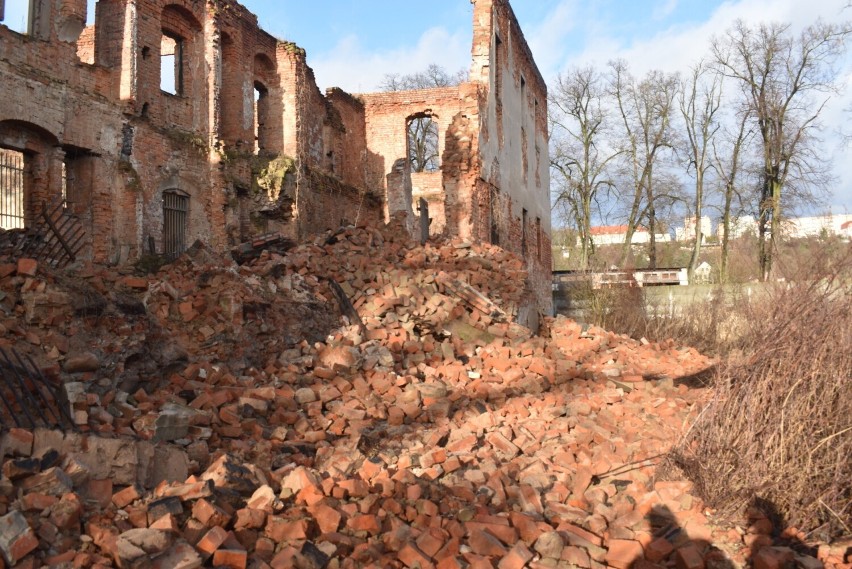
{"points": [[229, 414]]}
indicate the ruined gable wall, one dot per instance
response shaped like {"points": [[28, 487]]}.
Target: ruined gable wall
{"points": [[513, 139], [386, 117]]}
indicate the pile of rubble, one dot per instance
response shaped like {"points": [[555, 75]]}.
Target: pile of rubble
{"points": [[225, 416]]}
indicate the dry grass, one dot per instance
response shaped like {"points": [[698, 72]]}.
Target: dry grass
{"points": [[703, 325], [779, 428]]}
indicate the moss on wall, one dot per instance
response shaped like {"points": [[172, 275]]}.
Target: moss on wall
{"points": [[269, 175]]}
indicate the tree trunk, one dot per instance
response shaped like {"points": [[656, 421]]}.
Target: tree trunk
{"points": [[726, 236], [652, 230], [696, 248], [631, 226]]}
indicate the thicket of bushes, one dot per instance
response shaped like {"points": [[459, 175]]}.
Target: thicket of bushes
{"points": [[779, 427]]}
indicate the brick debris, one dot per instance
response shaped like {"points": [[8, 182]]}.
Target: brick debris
{"points": [[228, 416]]}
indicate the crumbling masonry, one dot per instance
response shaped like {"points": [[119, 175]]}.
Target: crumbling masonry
{"points": [[169, 121]]}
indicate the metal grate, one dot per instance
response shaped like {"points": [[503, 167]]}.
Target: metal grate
{"points": [[11, 189], [57, 237], [175, 211], [27, 398]]}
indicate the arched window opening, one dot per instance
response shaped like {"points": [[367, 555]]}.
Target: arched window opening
{"points": [[12, 202], [266, 125], [175, 216], [178, 49], [261, 116], [422, 140], [171, 64]]}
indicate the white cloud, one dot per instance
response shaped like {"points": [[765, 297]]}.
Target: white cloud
{"points": [[679, 47], [352, 67], [664, 9], [547, 38]]}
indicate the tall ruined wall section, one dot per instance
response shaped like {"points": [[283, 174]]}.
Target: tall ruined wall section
{"points": [[513, 190], [330, 191]]}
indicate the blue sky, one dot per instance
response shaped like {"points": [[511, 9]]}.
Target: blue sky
{"points": [[353, 43]]}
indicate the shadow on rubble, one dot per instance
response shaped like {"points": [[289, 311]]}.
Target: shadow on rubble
{"points": [[767, 543], [774, 543], [671, 545]]}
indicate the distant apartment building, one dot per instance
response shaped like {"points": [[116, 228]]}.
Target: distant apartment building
{"points": [[817, 226], [617, 235], [795, 227], [740, 226], [687, 232]]}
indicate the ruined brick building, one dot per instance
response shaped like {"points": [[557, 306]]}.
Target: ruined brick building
{"points": [[169, 121]]}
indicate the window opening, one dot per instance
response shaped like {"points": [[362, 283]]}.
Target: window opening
{"points": [[538, 238], [495, 226], [171, 64], [11, 189], [175, 212], [524, 233], [17, 15], [261, 114], [65, 183], [422, 135]]}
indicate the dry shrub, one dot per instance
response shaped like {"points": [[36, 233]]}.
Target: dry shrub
{"points": [[626, 310], [780, 426], [619, 309]]}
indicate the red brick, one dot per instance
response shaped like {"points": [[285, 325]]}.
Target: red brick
{"points": [[658, 550], [517, 558], [483, 543], [365, 523], [280, 529], [230, 558], [27, 267], [623, 552], [16, 537], [688, 557], [414, 558], [125, 497], [327, 518], [211, 541]]}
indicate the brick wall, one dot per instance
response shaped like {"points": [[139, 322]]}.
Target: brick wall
{"points": [[95, 94], [387, 116], [513, 141]]}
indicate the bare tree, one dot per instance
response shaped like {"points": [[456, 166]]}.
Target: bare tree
{"points": [[700, 100], [433, 76], [580, 155], [786, 80], [728, 158], [645, 108], [423, 144]]}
